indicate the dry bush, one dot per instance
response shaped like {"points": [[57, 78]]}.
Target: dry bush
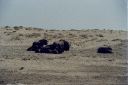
{"points": [[20, 27], [71, 35], [39, 29], [99, 35], [21, 34], [7, 27], [28, 28], [13, 31], [52, 30], [16, 28], [74, 30], [116, 39], [83, 36], [96, 29], [33, 35]]}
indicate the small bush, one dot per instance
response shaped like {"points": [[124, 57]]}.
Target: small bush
{"points": [[20, 35], [13, 31], [99, 35], [7, 26], [16, 28], [28, 28], [116, 40], [71, 35]]}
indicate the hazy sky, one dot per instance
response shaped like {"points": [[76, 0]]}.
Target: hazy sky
{"points": [[64, 14]]}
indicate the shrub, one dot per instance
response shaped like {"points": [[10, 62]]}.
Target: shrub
{"points": [[7, 26], [99, 35], [116, 40], [20, 34], [16, 28], [28, 28]]}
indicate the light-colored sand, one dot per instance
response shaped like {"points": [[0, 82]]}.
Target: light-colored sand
{"points": [[79, 66]]}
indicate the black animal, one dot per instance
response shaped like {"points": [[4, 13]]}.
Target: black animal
{"points": [[57, 47], [37, 45], [63, 44], [104, 50], [43, 42], [53, 48]]}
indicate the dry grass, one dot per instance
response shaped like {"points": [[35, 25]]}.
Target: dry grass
{"points": [[83, 36], [15, 38], [33, 35]]}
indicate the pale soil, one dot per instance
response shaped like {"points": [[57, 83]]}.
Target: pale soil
{"points": [[79, 66]]}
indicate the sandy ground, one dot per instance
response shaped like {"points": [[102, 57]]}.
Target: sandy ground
{"points": [[82, 65]]}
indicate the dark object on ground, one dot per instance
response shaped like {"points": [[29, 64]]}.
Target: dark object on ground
{"points": [[57, 47], [104, 50], [64, 44], [38, 45], [1, 82], [21, 68]]}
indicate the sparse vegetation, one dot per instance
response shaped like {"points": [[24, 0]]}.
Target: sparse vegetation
{"points": [[20, 34], [28, 28], [99, 35], [16, 28], [33, 35], [7, 26], [13, 31], [116, 40], [74, 30], [15, 38], [51, 36], [101, 40], [71, 35], [84, 36], [111, 31]]}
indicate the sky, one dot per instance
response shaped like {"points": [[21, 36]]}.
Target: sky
{"points": [[64, 14]]}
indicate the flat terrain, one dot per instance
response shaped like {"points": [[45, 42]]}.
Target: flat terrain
{"points": [[82, 65]]}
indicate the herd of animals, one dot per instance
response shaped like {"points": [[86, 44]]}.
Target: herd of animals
{"points": [[58, 47]]}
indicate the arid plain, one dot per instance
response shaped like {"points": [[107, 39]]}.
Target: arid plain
{"points": [[81, 65]]}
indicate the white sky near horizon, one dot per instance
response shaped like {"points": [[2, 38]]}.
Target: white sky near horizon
{"points": [[64, 14]]}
